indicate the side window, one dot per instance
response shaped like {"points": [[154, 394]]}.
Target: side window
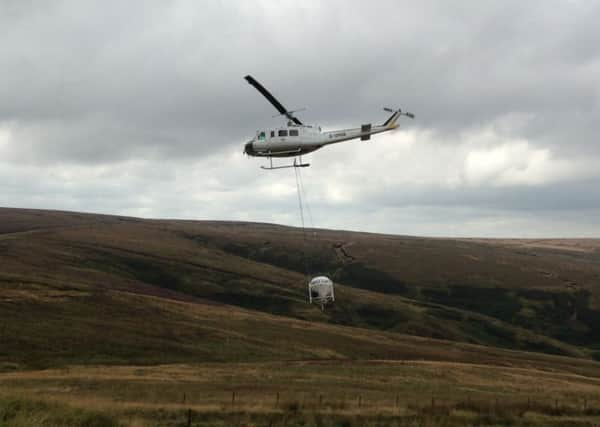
{"points": [[293, 132], [282, 133], [272, 134], [261, 136]]}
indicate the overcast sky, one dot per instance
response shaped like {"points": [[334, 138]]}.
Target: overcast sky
{"points": [[140, 108]]}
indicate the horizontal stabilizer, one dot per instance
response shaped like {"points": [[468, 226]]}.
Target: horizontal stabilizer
{"points": [[365, 130]]}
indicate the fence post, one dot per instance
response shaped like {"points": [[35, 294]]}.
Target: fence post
{"points": [[184, 397], [397, 399], [320, 400], [189, 418], [277, 401], [232, 398], [432, 402]]}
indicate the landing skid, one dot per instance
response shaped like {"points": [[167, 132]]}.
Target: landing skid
{"points": [[296, 164]]}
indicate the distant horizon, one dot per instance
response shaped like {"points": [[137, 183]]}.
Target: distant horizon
{"points": [[297, 226]]}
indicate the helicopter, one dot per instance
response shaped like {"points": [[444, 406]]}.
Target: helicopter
{"points": [[296, 139]]}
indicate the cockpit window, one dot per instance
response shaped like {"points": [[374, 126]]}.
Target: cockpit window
{"points": [[261, 136], [282, 133], [272, 133], [293, 132]]}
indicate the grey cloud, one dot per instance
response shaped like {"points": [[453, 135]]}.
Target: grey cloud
{"points": [[90, 85], [571, 196]]}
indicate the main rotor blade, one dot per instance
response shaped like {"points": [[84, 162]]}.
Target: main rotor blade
{"points": [[282, 110]]}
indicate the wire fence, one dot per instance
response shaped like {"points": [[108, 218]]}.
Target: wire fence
{"points": [[396, 403]]}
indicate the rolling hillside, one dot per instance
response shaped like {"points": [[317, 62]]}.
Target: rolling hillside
{"points": [[81, 288], [112, 321]]}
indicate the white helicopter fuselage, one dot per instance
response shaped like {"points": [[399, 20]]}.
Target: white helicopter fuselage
{"points": [[296, 140]]}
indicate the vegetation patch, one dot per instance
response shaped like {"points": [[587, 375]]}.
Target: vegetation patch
{"points": [[20, 412]]}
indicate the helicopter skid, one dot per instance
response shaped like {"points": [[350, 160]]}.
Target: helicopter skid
{"points": [[293, 165]]}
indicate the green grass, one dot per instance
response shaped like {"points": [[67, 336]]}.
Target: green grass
{"points": [[22, 412]]}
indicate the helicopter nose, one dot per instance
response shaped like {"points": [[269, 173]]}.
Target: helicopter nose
{"points": [[249, 149]]}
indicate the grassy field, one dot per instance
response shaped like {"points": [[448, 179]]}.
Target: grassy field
{"points": [[313, 393], [122, 321]]}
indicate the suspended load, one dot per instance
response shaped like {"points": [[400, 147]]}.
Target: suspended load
{"points": [[320, 291]]}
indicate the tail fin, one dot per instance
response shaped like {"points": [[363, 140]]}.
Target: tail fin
{"points": [[390, 123]]}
